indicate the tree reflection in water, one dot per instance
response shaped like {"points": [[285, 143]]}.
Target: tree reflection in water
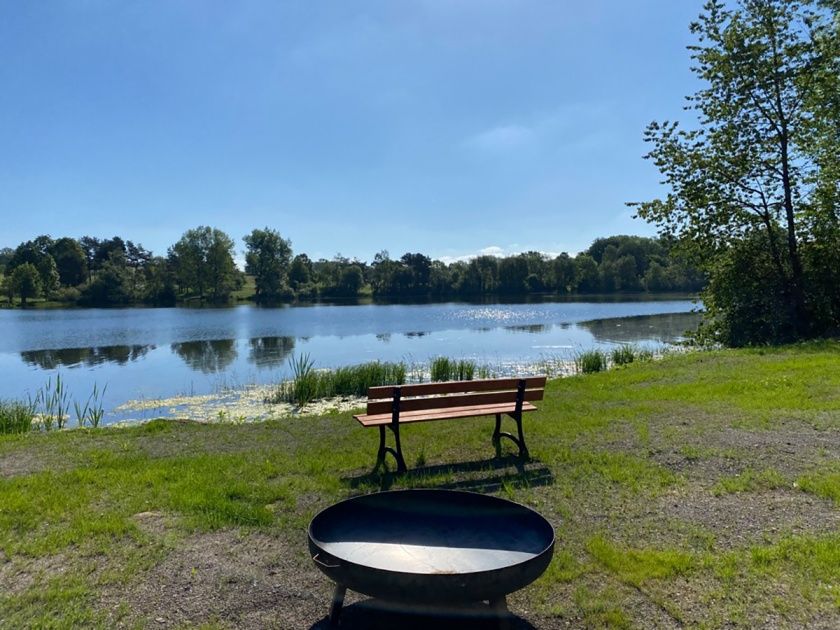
{"points": [[270, 351], [207, 355], [70, 357], [667, 328]]}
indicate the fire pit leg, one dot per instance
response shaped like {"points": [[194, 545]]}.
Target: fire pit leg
{"points": [[499, 606], [337, 603]]}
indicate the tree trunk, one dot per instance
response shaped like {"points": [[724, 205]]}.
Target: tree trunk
{"points": [[797, 289]]}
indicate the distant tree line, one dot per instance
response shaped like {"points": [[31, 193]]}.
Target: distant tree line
{"points": [[201, 266]]}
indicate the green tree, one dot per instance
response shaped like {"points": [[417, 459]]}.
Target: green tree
{"points": [[268, 257], [25, 281], [586, 272], [300, 272], [6, 254], [513, 272], [767, 120], [203, 263], [625, 271], [564, 273], [70, 261], [351, 280], [112, 285]]}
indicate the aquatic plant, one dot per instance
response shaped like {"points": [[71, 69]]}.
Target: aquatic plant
{"points": [[16, 416], [308, 384], [53, 402], [623, 354], [92, 411], [446, 369], [590, 361]]}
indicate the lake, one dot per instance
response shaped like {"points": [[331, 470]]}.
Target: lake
{"points": [[149, 354]]}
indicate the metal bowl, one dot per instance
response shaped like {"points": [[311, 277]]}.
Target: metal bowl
{"points": [[430, 546]]}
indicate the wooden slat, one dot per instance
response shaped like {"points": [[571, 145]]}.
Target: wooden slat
{"points": [[453, 387], [441, 414], [456, 400]]}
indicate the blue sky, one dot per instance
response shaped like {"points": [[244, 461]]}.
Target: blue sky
{"points": [[449, 127]]}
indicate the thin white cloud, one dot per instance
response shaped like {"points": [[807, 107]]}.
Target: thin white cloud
{"points": [[502, 138], [574, 125]]}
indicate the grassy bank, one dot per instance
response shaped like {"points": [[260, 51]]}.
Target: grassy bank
{"points": [[701, 490]]}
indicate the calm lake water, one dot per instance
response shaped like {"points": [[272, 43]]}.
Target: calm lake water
{"points": [[159, 353]]}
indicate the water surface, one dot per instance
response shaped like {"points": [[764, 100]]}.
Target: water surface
{"points": [[160, 353]]}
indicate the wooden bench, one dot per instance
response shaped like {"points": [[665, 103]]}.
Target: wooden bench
{"points": [[393, 405]]}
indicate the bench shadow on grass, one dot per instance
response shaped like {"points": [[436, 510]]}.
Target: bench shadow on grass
{"points": [[376, 614], [498, 472]]}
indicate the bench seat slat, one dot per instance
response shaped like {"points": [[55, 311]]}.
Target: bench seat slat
{"points": [[454, 400], [454, 387], [372, 420]]}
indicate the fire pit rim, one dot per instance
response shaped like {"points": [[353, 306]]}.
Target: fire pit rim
{"points": [[549, 547]]}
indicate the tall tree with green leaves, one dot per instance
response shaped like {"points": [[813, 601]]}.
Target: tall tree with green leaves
{"points": [[268, 257], [203, 263], [70, 261], [25, 281], [747, 169]]}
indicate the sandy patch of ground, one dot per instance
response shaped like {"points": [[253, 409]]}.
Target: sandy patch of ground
{"points": [[255, 580], [18, 575], [748, 518], [15, 463]]}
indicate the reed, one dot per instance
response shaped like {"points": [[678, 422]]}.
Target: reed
{"points": [[590, 361], [53, 403], [91, 413], [446, 369], [623, 355], [308, 384], [16, 416]]}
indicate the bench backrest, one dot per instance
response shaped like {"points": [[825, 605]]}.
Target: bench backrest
{"points": [[448, 394]]}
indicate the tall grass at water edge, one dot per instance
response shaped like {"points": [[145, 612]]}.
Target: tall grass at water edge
{"points": [[308, 384], [592, 361], [16, 416], [446, 369]]}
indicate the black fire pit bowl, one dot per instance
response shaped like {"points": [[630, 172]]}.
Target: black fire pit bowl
{"points": [[430, 547]]}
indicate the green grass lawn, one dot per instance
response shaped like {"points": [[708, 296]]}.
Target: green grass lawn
{"points": [[702, 490]]}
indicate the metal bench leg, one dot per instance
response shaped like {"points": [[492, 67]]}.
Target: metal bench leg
{"points": [[337, 603], [383, 449], [380, 455], [523, 450], [395, 429], [497, 435]]}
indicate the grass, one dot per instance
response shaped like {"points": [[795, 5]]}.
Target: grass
{"points": [[308, 384], [15, 416], [446, 369], [637, 566], [624, 354], [750, 481], [631, 466], [590, 362]]}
